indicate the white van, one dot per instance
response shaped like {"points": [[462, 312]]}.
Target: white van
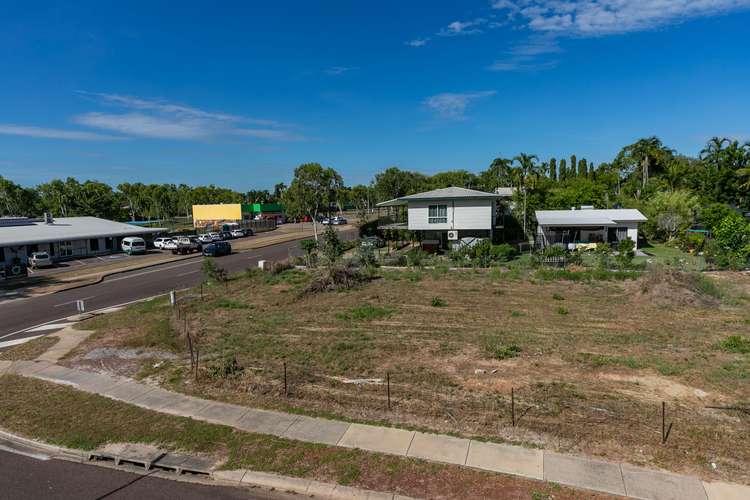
{"points": [[133, 244]]}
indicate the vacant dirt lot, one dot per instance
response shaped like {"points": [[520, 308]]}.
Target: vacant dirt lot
{"points": [[589, 362]]}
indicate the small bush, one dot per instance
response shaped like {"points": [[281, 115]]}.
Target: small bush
{"points": [[225, 303], [517, 314], [562, 311], [339, 276], [495, 348], [557, 296], [365, 312], [438, 302], [280, 266], [736, 343], [416, 257]]}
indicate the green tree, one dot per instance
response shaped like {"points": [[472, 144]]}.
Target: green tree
{"points": [[583, 168], [527, 174], [671, 213], [563, 171], [312, 191], [553, 169], [498, 174], [573, 166]]}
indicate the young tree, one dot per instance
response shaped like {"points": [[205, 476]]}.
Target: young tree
{"points": [[312, 190], [332, 247]]}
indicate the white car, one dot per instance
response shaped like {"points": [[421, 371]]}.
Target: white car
{"points": [[338, 221], [161, 241], [215, 236], [326, 221], [40, 259], [238, 233], [205, 238], [133, 245]]}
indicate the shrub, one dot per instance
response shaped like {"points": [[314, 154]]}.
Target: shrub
{"points": [[365, 312], [562, 311], [603, 252], [736, 343], [280, 266], [331, 247], [625, 253], [438, 302], [213, 272], [364, 255], [415, 257], [557, 296], [309, 247], [495, 348], [338, 276]]}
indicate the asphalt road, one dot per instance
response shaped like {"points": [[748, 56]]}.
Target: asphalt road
{"points": [[29, 478], [18, 316]]}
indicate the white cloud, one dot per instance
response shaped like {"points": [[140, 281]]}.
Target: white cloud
{"points": [[143, 125], [530, 55], [340, 70], [453, 106], [463, 27], [51, 133], [417, 42], [164, 120], [603, 17]]}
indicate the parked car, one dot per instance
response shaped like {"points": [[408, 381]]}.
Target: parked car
{"points": [[40, 259], [217, 249], [238, 233], [183, 245], [373, 241], [205, 238], [133, 245], [160, 241], [215, 236], [338, 220], [225, 235], [325, 221]]}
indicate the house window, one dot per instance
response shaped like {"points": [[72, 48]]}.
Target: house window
{"points": [[94, 244], [437, 214], [66, 248]]}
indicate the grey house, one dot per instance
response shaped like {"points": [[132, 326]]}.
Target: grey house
{"points": [[63, 238]]}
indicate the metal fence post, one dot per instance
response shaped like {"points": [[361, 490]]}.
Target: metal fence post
{"points": [[388, 388], [513, 406]]}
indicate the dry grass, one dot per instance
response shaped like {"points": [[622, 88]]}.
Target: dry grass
{"points": [[65, 416], [29, 350], [589, 381]]}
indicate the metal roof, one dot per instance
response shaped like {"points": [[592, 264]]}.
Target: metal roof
{"points": [[68, 229], [449, 193], [588, 217]]}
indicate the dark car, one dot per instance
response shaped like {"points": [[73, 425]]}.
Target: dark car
{"points": [[217, 249], [225, 235]]}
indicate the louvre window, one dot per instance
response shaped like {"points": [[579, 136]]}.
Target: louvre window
{"points": [[437, 214]]}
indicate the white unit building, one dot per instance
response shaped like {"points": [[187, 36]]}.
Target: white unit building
{"points": [[442, 215], [571, 228], [62, 238]]}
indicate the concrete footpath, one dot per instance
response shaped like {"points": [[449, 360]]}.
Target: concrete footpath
{"points": [[619, 479]]}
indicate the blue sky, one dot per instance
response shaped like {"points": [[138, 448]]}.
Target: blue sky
{"points": [[238, 94]]}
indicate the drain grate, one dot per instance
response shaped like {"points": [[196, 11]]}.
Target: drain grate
{"points": [[127, 454]]}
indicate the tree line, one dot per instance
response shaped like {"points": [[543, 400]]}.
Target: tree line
{"points": [[126, 201], [673, 190]]}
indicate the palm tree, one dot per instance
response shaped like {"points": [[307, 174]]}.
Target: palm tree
{"points": [[528, 170]]}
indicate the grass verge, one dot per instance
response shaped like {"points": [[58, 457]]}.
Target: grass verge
{"points": [[64, 416], [29, 350]]}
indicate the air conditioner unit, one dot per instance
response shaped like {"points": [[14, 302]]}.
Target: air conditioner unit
{"points": [[453, 235]]}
